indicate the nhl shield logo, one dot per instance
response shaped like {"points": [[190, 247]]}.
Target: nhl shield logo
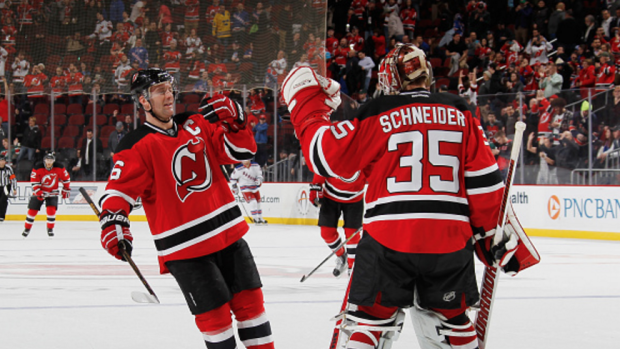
{"points": [[191, 169], [449, 296]]}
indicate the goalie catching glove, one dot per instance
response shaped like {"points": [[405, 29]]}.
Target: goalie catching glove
{"points": [[223, 110], [115, 234], [513, 253], [309, 96]]}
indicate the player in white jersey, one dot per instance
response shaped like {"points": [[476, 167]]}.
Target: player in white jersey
{"points": [[248, 177]]}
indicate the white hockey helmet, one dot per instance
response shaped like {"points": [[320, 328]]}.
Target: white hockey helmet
{"points": [[402, 65]]}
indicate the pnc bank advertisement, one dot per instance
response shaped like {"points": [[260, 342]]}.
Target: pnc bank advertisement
{"points": [[568, 211]]}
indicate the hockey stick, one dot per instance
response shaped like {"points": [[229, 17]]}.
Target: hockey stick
{"points": [[303, 278], [336, 335], [139, 297], [490, 278], [237, 197]]}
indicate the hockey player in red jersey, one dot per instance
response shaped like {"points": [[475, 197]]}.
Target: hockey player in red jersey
{"points": [[49, 181], [173, 164], [336, 196], [431, 178]]}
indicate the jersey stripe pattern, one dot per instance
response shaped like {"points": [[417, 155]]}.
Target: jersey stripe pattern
{"points": [[340, 190], [7, 178], [430, 171], [189, 207]]}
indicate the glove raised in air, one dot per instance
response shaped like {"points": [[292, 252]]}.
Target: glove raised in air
{"points": [[222, 110]]}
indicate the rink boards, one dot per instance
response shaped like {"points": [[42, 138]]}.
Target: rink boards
{"points": [[587, 212]]}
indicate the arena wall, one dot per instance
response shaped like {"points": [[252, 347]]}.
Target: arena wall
{"points": [[584, 212]]}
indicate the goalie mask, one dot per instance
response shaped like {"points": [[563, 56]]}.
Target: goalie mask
{"points": [[402, 65]]}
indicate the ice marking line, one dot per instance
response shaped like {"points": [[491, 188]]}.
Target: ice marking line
{"points": [[276, 302]]}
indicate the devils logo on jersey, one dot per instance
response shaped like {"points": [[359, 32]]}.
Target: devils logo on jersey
{"points": [[49, 181], [191, 169]]}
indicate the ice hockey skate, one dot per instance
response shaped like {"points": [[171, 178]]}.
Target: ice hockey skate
{"points": [[341, 265], [50, 232], [26, 232]]}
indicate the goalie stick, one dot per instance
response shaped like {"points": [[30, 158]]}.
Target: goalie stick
{"points": [[342, 244], [139, 297], [490, 277]]}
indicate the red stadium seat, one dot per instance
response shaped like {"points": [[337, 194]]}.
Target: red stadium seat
{"points": [[106, 131], [60, 119], [60, 108], [42, 108], [110, 108], [75, 108], [71, 131], [66, 143], [191, 98], [127, 108], [193, 107], [76, 119], [102, 119], [41, 119], [180, 108]]}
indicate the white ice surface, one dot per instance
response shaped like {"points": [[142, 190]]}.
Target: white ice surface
{"points": [[68, 293]]}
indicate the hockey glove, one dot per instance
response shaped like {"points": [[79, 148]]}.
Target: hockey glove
{"points": [[316, 194], [235, 189], [39, 195], [66, 192], [115, 234], [309, 96], [496, 255], [223, 110]]}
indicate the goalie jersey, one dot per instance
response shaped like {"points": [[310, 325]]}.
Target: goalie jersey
{"points": [[430, 170], [191, 211], [248, 179]]}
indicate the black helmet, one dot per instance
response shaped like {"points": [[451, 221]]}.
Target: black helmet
{"points": [[50, 156], [143, 79]]}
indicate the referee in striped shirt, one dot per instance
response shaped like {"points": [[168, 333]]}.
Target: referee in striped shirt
{"points": [[8, 184]]}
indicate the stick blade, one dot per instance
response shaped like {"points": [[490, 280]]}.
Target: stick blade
{"points": [[141, 297]]}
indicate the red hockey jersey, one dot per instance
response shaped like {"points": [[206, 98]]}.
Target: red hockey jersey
{"points": [[341, 191], [431, 174], [189, 207], [47, 182]]}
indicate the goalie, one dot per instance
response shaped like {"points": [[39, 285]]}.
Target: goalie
{"points": [[431, 177]]}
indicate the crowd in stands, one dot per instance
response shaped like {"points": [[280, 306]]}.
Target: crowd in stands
{"points": [[527, 59]]}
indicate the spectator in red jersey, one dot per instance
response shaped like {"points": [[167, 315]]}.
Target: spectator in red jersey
{"points": [[35, 84], [380, 44], [210, 15], [192, 15], [59, 82], [172, 60], [74, 83]]}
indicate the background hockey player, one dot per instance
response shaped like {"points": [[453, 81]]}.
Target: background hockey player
{"points": [[248, 177], [49, 181], [431, 177], [8, 186], [334, 197], [173, 164]]}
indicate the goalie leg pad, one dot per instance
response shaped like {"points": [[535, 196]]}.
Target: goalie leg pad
{"points": [[372, 327], [216, 328], [435, 330]]}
